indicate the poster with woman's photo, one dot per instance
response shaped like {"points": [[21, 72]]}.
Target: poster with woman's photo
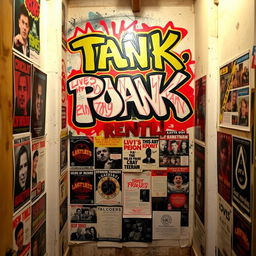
{"points": [[107, 215], [26, 24], [22, 170], [22, 78], [137, 230], [81, 151], [137, 195], [224, 165], [82, 213], [108, 187], [80, 232], [21, 225], [242, 174], [38, 103], [38, 167], [81, 186], [234, 94], [108, 153]]}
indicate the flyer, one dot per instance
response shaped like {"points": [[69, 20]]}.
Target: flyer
{"points": [[38, 167], [83, 213], [81, 186], [22, 231], [22, 170], [242, 174], [108, 187], [81, 151], [80, 232], [137, 194], [63, 151], [108, 153], [159, 183], [166, 225], [22, 84], [107, 215], [38, 241]]}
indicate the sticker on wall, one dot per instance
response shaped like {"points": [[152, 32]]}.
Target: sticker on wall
{"points": [[129, 74]]}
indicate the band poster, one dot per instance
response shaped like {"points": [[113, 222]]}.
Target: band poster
{"points": [[200, 108], [83, 213], [81, 186], [224, 165], [224, 227], [149, 153], [132, 154], [108, 187], [38, 167], [174, 149], [108, 153], [137, 195], [81, 151], [63, 201], [38, 241], [166, 225], [22, 231], [81, 232], [26, 34], [22, 170], [22, 78], [235, 94], [107, 215], [242, 174]]}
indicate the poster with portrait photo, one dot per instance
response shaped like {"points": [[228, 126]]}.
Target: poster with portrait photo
{"points": [[108, 153], [108, 187], [242, 174], [137, 195], [137, 230], [21, 225], [22, 170], [38, 241], [82, 213], [38, 167], [234, 94], [224, 165], [199, 199], [242, 235], [200, 108], [80, 232], [38, 103], [63, 151], [174, 149], [26, 33], [107, 215], [22, 78], [149, 153], [81, 186], [81, 151]]}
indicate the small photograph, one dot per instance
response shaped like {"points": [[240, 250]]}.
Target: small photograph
{"points": [[108, 158], [243, 111], [144, 195], [178, 182]]}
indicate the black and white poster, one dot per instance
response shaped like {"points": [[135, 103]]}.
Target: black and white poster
{"points": [[83, 213]]}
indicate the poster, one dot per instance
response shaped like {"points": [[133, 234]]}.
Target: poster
{"points": [[21, 225], [80, 232], [22, 170], [224, 227], [63, 91], [132, 158], [107, 215], [83, 213], [26, 34], [81, 186], [242, 235], [174, 149], [224, 165], [166, 225], [63, 201], [38, 167], [38, 103], [63, 151], [38, 216], [63, 240], [159, 183], [199, 200], [200, 108], [137, 195], [22, 84], [149, 150], [199, 238], [108, 187], [234, 94], [38, 241], [137, 230], [81, 151], [242, 174], [108, 153]]}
